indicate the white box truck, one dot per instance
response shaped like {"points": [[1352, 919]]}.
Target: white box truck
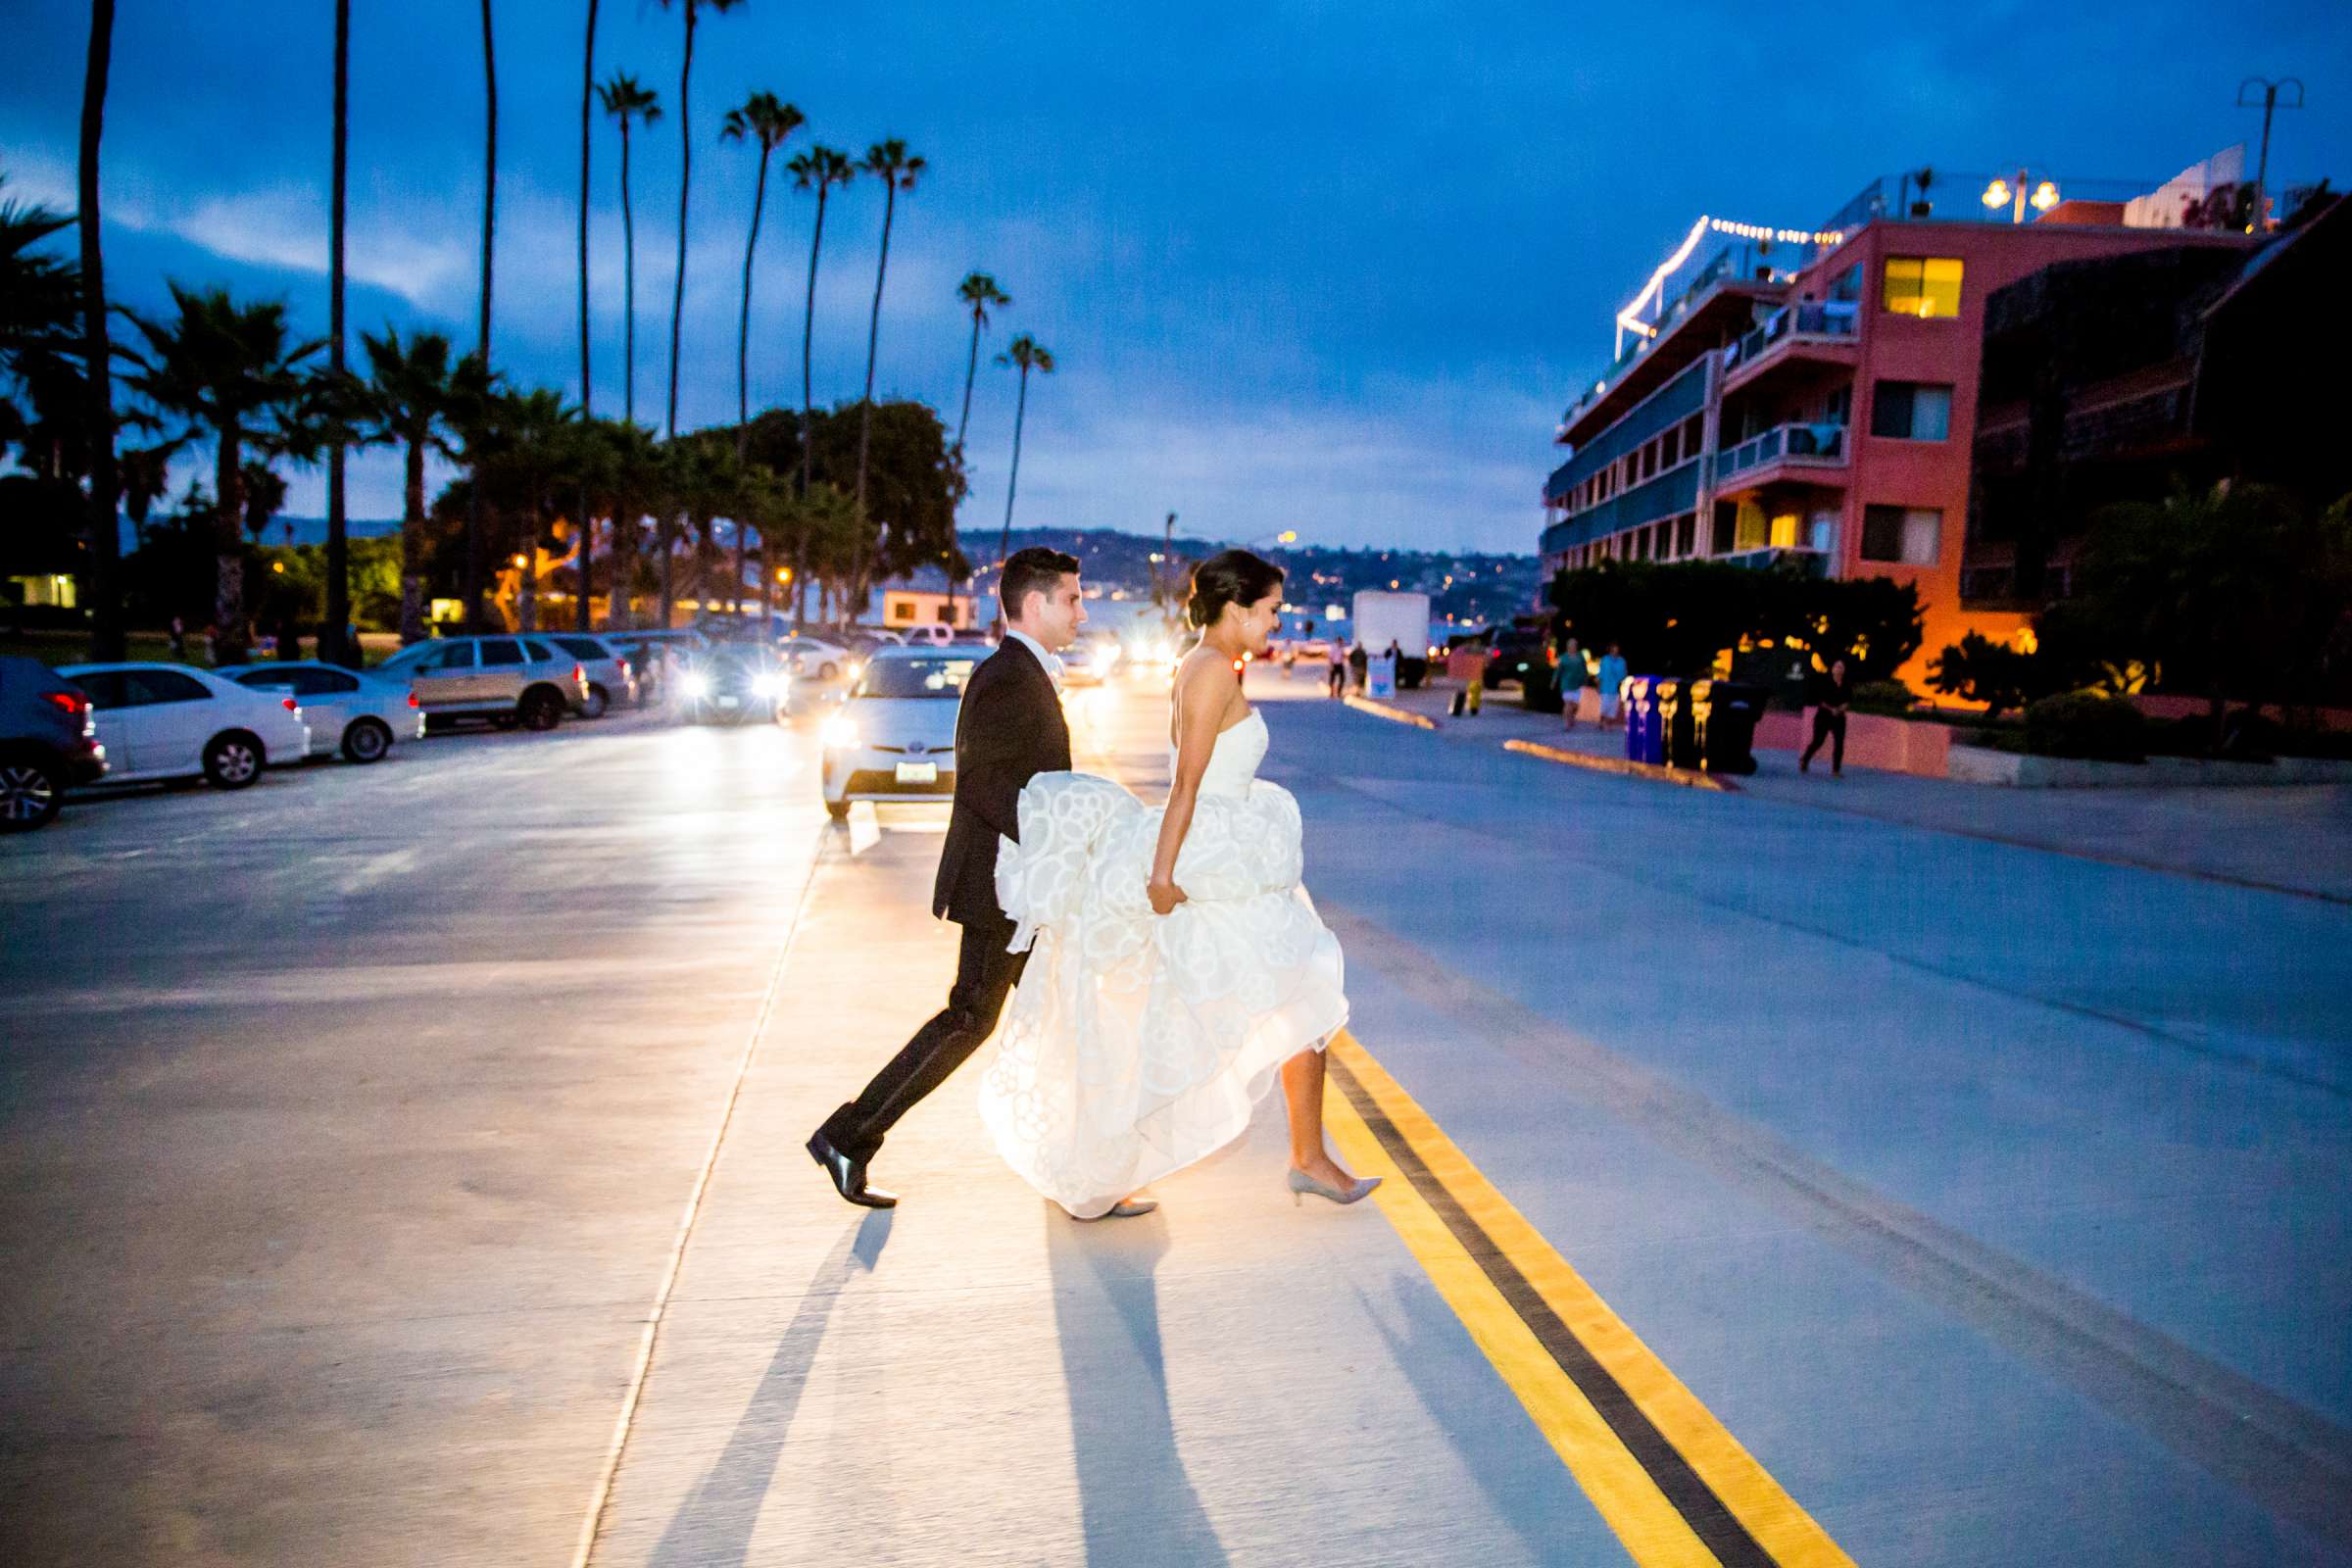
{"points": [[1382, 617]]}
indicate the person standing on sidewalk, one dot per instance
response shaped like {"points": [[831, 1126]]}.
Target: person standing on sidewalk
{"points": [[1575, 677], [1336, 657], [1612, 682], [1835, 696]]}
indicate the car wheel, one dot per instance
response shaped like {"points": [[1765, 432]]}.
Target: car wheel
{"points": [[540, 710], [838, 810], [600, 702], [30, 793], [233, 762], [827, 671], [367, 740]]}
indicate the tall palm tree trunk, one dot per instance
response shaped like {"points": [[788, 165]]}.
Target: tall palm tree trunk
{"points": [[473, 503], [106, 628], [971, 369], [583, 524], [331, 640], [1020, 414], [411, 546], [865, 405], [800, 542], [229, 509], [629, 286], [743, 385], [677, 293]]}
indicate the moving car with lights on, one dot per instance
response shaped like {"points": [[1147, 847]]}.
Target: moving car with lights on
{"points": [[733, 682], [895, 736]]}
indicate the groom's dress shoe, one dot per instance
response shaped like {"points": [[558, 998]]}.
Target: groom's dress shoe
{"points": [[849, 1175]]}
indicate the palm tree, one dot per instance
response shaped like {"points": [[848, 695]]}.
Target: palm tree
{"points": [[766, 120], [106, 626], [819, 169], [587, 529], [413, 391], [527, 447], [339, 543], [625, 100], [228, 372], [481, 347], [979, 291], [677, 298], [1030, 354], [889, 162]]}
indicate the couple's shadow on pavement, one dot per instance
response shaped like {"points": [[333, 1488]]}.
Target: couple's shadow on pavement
{"points": [[1137, 1502], [715, 1521]]}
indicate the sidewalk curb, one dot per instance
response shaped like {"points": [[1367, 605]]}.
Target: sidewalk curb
{"points": [[1689, 779], [1400, 716]]}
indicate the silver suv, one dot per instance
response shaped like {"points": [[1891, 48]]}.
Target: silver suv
{"points": [[611, 677], [507, 680]]}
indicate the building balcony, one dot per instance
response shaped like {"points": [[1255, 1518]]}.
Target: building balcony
{"points": [[1801, 562], [1812, 452], [1795, 334]]}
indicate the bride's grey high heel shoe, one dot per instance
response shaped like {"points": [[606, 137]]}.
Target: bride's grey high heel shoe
{"points": [[1355, 1191]]}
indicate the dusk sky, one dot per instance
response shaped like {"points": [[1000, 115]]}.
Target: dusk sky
{"points": [[1312, 265]]}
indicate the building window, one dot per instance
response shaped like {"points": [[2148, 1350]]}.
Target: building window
{"points": [[1693, 431], [901, 611], [1923, 285], [1839, 407], [1671, 446], [1912, 536], [1911, 410], [1685, 534], [1751, 532], [1849, 285]]}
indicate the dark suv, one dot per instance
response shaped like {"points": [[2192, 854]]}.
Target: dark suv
{"points": [[48, 741]]}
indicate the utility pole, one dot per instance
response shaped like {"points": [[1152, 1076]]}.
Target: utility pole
{"points": [[2270, 104]]}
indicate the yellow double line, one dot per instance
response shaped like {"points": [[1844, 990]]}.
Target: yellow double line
{"points": [[1674, 1485]]}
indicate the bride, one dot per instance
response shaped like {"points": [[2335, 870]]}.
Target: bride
{"points": [[1178, 964]]}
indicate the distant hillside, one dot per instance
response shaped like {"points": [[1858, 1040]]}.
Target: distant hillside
{"points": [[1469, 589]]}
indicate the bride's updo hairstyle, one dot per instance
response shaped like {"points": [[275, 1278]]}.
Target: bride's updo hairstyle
{"points": [[1229, 577]]}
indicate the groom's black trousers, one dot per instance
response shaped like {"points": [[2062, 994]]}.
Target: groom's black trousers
{"points": [[985, 975]]}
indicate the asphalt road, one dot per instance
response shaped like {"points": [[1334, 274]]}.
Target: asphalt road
{"points": [[401, 1165]]}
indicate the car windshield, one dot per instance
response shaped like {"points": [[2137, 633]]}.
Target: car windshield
{"points": [[943, 677]]}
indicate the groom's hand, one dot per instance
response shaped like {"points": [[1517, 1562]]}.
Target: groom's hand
{"points": [[1164, 896]]}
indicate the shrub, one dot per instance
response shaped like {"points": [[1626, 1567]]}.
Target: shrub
{"points": [[2084, 724], [1883, 697]]}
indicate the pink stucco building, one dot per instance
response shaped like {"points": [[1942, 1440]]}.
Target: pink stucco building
{"points": [[1821, 408]]}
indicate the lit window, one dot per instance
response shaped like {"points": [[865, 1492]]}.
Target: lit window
{"points": [[1911, 410], [1923, 285], [1784, 532], [1912, 536]]}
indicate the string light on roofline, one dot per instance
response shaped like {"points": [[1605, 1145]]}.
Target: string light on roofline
{"points": [[1629, 319]]}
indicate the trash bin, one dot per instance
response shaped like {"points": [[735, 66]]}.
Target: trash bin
{"points": [[1724, 714], [1644, 733], [1677, 722]]}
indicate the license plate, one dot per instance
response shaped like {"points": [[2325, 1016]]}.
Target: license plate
{"points": [[726, 702], [919, 772]]}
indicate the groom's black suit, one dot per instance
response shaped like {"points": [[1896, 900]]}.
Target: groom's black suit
{"points": [[1009, 730]]}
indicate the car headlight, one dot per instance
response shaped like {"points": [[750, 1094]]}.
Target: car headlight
{"points": [[839, 734], [766, 684], [694, 683]]}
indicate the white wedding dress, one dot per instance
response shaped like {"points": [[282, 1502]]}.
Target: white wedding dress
{"points": [[1136, 1042]]}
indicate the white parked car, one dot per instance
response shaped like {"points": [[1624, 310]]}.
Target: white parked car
{"points": [[814, 658], [895, 737], [173, 721], [612, 678], [360, 715], [931, 634]]}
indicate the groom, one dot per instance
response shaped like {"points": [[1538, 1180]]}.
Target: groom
{"points": [[1009, 730]]}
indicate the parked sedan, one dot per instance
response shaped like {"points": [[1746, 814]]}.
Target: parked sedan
{"points": [[734, 682], [48, 741], [160, 721], [814, 658], [359, 715], [895, 737]]}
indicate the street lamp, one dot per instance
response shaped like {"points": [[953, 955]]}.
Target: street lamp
{"points": [[2041, 197]]}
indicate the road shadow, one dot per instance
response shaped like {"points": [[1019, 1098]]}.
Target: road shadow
{"points": [[715, 1523], [1136, 1500]]}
